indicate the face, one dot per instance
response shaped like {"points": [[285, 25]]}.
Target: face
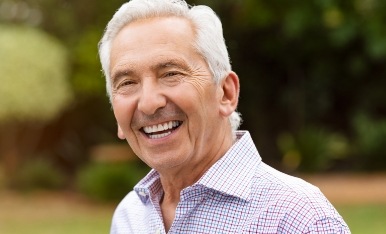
{"points": [[163, 95]]}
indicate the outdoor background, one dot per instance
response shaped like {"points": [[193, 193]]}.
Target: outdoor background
{"points": [[313, 96]]}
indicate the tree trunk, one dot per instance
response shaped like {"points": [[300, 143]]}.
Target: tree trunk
{"points": [[9, 151]]}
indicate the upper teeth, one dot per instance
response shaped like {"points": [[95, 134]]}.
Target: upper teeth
{"points": [[160, 127]]}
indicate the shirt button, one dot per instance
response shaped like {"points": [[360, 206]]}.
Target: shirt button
{"points": [[158, 231], [142, 193]]}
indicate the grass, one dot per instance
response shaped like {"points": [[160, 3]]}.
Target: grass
{"points": [[365, 218], [66, 213], [86, 223], [52, 214]]}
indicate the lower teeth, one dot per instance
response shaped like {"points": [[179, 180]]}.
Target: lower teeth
{"points": [[157, 136]]}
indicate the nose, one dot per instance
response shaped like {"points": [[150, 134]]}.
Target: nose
{"points": [[151, 98]]}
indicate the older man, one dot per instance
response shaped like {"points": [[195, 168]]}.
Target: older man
{"points": [[174, 97]]}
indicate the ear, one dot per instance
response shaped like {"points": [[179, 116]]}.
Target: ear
{"points": [[230, 88], [120, 133]]}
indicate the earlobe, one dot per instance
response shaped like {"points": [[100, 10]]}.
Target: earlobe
{"points": [[120, 133], [230, 94]]}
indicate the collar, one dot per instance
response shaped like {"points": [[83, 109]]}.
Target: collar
{"points": [[232, 174]]}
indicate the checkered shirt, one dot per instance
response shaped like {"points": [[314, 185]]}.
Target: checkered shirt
{"points": [[238, 194]]}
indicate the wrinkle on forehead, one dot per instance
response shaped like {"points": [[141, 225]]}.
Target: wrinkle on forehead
{"points": [[138, 31]]}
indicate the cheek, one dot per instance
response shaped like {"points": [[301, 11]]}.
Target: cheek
{"points": [[123, 111], [200, 90], [197, 84], [199, 102]]}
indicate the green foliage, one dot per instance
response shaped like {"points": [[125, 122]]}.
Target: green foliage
{"points": [[370, 142], [110, 181], [312, 149], [300, 63], [87, 78], [305, 63], [33, 75], [38, 174]]}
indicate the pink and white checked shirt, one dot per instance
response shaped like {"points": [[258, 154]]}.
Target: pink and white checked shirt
{"points": [[238, 194]]}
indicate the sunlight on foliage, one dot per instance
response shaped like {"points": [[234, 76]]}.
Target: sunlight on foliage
{"points": [[33, 75], [312, 149], [333, 18]]}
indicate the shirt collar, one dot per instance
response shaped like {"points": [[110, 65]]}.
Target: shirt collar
{"points": [[150, 185], [232, 174]]}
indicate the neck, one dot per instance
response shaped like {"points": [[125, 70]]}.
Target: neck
{"points": [[174, 183], [174, 180]]}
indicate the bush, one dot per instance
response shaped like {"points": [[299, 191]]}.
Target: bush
{"points": [[110, 181], [312, 149], [38, 174], [370, 143]]}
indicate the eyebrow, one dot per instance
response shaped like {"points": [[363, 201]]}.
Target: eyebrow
{"points": [[161, 65], [121, 73], [171, 63]]}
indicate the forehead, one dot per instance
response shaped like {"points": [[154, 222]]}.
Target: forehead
{"points": [[172, 24], [158, 30], [150, 39]]}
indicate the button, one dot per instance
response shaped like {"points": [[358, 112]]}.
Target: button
{"points": [[158, 231], [142, 193]]}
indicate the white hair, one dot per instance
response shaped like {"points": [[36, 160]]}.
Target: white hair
{"points": [[209, 41]]}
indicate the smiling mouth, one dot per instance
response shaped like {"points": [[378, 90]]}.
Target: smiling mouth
{"points": [[161, 130]]}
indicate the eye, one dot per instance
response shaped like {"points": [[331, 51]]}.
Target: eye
{"points": [[172, 74], [126, 83], [172, 78]]}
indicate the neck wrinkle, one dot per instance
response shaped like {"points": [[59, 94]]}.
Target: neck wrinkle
{"points": [[174, 183]]}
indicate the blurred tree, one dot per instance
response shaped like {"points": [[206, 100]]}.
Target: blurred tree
{"points": [[78, 24], [370, 147], [301, 63], [305, 63], [34, 89]]}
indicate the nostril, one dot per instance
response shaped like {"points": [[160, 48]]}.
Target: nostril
{"points": [[150, 101]]}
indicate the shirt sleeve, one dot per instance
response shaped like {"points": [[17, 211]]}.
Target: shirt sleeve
{"points": [[327, 226], [312, 214]]}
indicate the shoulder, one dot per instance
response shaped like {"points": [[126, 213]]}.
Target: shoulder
{"points": [[278, 184], [296, 204]]}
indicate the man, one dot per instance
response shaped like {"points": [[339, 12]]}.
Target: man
{"points": [[174, 97]]}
